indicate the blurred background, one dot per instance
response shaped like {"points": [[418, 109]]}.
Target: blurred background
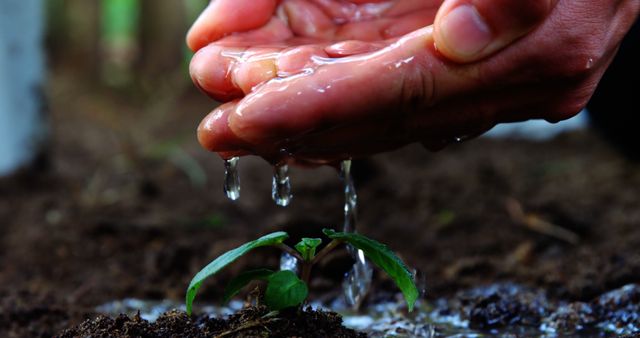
{"points": [[105, 193], [112, 62]]}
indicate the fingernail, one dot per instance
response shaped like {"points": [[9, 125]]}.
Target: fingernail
{"points": [[465, 32]]}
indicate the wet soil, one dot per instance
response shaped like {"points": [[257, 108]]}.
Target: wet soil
{"points": [[250, 322], [131, 207]]}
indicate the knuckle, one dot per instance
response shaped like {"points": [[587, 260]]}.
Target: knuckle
{"points": [[418, 89]]}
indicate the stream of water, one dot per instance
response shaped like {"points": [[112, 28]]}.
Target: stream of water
{"points": [[357, 281]]}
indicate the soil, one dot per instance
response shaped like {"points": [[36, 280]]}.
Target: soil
{"points": [[129, 206], [250, 322]]}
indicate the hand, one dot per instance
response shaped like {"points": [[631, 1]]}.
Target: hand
{"points": [[330, 79]]}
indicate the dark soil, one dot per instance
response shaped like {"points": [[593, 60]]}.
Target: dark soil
{"points": [[131, 207], [250, 322]]}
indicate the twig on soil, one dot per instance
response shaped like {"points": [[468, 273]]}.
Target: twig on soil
{"points": [[521, 255], [536, 223], [247, 326]]}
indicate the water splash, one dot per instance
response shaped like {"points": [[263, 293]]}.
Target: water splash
{"points": [[281, 186], [288, 262], [357, 281], [231, 179], [523, 311]]}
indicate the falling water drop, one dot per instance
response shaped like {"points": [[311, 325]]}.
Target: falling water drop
{"points": [[358, 280], [231, 179], [350, 198], [281, 187]]}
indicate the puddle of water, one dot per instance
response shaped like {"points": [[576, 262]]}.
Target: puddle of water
{"points": [[499, 310], [150, 310]]}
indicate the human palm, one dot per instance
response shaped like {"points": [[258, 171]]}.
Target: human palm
{"points": [[323, 50], [323, 80]]}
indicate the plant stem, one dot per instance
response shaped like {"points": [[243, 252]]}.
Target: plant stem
{"points": [[325, 251], [306, 272], [290, 251]]}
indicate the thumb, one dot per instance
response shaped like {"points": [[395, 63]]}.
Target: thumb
{"points": [[469, 30]]}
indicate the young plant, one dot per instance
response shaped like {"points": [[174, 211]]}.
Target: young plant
{"points": [[284, 288]]}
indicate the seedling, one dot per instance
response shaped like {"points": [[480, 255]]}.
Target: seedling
{"points": [[284, 288]]}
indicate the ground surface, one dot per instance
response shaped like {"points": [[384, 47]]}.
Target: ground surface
{"points": [[131, 207], [250, 322]]}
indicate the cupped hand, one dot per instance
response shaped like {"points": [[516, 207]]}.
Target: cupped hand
{"points": [[322, 80]]}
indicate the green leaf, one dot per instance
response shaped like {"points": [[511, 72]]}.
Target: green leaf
{"points": [[243, 279], [285, 290], [307, 247], [383, 258], [228, 258]]}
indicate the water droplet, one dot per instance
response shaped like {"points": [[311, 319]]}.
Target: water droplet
{"points": [[281, 186], [231, 179], [421, 281], [589, 63], [288, 262], [462, 138]]}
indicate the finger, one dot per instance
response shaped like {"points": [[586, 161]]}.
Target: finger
{"points": [[342, 91], [215, 135], [469, 30], [215, 127], [404, 7], [274, 32], [227, 73], [223, 17], [307, 20], [211, 71], [410, 22], [386, 27], [231, 72], [348, 11]]}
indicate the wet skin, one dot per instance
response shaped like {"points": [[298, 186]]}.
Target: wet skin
{"points": [[325, 80]]}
